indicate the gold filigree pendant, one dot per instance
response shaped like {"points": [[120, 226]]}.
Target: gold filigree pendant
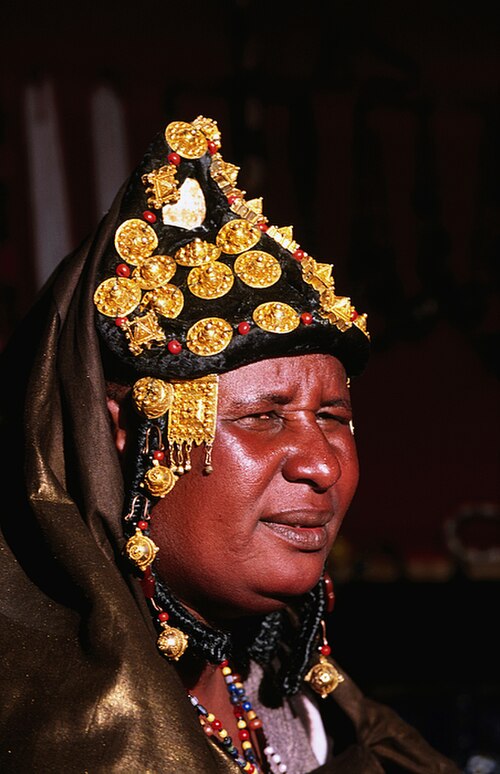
{"points": [[141, 550], [172, 642], [323, 677]]}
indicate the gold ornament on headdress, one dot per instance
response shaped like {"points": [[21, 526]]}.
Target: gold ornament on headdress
{"points": [[236, 236], [186, 140], [197, 253], [257, 268], [161, 186], [135, 240], [152, 397], [143, 332], [209, 336], [155, 271], [167, 301], [211, 281], [117, 296], [276, 317]]}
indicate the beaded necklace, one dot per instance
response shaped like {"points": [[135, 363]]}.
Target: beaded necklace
{"points": [[248, 723]]}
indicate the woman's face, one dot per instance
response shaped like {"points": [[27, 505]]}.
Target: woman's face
{"points": [[258, 529]]}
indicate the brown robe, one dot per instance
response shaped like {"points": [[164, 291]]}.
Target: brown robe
{"points": [[83, 687]]}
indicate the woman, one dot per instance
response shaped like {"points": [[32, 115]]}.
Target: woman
{"points": [[186, 470]]}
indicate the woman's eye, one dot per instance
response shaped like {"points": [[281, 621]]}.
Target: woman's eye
{"points": [[326, 416]]}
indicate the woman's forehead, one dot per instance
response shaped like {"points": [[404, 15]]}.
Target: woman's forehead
{"points": [[285, 376]]}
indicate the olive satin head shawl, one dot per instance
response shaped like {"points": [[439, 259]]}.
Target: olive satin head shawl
{"points": [[83, 687]]}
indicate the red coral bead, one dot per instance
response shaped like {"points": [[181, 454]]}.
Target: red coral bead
{"points": [[262, 226], [212, 147], [119, 321], [123, 270], [148, 586], [232, 198], [149, 216], [299, 255], [224, 663], [354, 315], [243, 734], [243, 328], [306, 318], [142, 524], [217, 724], [255, 723], [174, 347], [174, 158], [162, 617], [325, 650], [158, 455]]}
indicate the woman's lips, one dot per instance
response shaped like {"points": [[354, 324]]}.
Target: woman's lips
{"points": [[305, 530]]}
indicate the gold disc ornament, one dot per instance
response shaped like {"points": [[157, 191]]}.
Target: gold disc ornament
{"points": [[209, 336], [152, 397], [172, 642], [257, 269], [141, 550], [323, 677], [167, 301], [237, 235], [211, 281], [186, 140], [276, 317], [155, 271], [197, 253], [117, 296], [135, 240]]}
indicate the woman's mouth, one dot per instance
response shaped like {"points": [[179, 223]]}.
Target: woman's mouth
{"points": [[305, 530]]}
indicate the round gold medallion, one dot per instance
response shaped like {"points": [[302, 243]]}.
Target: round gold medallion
{"points": [[167, 301], [155, 271], [257, 269], [172, 642], [152, 397], [141, 550], [117, 296], [197, 253], [135, 240], [276, 317], [209, 336], [185, 140], [237, 235], [211, 281], [160, 480]]}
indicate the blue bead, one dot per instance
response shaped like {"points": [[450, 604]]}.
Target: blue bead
{"points": [[202, 709], [246, 706], [234, 699], [232, 688]]}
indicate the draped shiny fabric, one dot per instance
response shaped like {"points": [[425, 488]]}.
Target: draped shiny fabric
{"points": [[83, 687]]}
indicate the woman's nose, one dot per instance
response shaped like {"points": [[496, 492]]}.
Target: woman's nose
{"points": [[311, 458]]}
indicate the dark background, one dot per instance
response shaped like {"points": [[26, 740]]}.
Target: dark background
{"points": [[373, 127]]}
